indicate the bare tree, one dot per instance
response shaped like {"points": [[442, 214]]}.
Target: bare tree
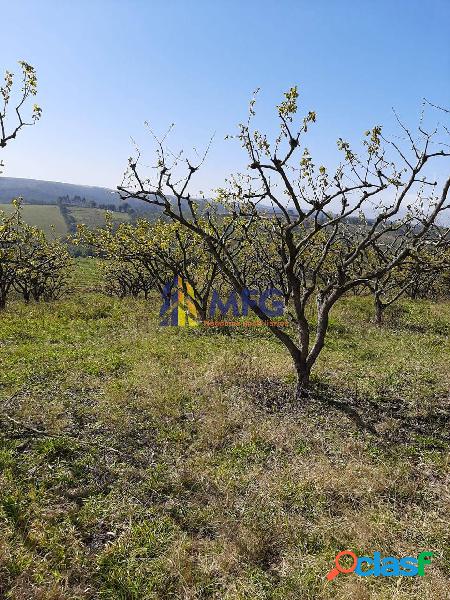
{"points": [[9, 225], [127, 279], [145, 256], [12, 119], [31, 264], [9, 242], [310, 214], [42, 265], [416, 275]]}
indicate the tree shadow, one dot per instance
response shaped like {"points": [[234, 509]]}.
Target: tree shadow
{"points": [[420, 328], [326, 395], [391, 419]]}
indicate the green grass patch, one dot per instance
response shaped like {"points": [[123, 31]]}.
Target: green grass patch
{"points": [[145, 462], [46, 217], [95, 217]]}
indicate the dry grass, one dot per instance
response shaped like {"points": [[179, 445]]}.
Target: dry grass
{"points": [[177, 466]]}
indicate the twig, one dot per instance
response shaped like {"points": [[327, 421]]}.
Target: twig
{"points": [[45, 433]]}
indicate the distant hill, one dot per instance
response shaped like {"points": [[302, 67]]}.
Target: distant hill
{"points": [[36, 191], [57, 223]]}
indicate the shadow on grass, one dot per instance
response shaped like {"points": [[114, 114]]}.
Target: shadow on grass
{"points": [[390, 419], [419, 328]]}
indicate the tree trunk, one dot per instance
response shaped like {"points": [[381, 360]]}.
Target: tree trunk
{"points": [[378, 311], [3, 295], [303, 376], [305, 359]]}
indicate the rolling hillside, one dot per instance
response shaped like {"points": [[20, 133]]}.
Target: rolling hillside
{"points": [[48, 192], [49, 218], [35, 191], [95, 217], [46, 217]]}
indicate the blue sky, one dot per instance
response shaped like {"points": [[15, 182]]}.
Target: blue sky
{"points": [[105, 67]]}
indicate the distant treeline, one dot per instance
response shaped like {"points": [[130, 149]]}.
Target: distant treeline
{"points": [[69, 219], [81, 201], [67, 202]]}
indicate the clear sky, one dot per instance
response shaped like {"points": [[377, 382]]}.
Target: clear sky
{"points": [[106, 66]]}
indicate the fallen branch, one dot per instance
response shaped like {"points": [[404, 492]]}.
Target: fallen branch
{"points": [[44, 433]]}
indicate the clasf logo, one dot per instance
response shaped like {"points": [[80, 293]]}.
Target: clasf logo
{"points": [[178, 307], [389, 566]]}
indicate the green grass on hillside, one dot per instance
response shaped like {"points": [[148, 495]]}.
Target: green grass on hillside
{"points": [[140, 462], [46, 217], [95, 217], [49, 218]]}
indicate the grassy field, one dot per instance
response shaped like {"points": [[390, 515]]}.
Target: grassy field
{"points": [[46, 217], [95, 217], [49, 218], [140, 462]]}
